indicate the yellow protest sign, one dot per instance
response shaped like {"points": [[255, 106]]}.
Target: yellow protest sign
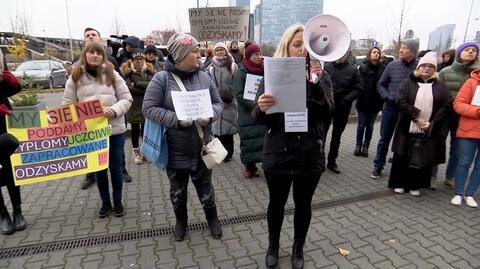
{"points": [[59, 142]]}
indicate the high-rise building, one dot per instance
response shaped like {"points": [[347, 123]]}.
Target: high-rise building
{"points": [[277, 15], [239, 3], [441, 39]]}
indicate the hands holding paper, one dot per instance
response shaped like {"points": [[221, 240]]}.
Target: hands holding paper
{"points": [[266, 101]]}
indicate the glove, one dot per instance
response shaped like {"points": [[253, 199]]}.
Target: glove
{"points": [[203, 121], [185, 123]]}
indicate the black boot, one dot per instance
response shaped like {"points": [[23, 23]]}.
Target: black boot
{"points": [[180, 230], [358, 150], [297, 254], [6, 226], [365, 150], [213, 222], [19, 222], [271, 259]]}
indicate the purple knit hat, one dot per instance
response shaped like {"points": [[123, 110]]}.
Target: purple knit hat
{"points": [[464, 46]]}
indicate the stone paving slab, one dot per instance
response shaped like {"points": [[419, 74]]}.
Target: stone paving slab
{"points": [[398, 231]]}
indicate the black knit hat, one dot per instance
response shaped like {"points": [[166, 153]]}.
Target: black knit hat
{"points": [[151, 49], [137, 53]]}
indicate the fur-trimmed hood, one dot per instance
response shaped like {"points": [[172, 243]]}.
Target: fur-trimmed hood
{"points": [[127, 68]]}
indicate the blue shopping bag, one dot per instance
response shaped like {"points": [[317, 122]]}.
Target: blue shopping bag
{"points": [[154, 147]]}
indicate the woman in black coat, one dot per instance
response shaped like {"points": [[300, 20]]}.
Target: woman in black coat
{"points": [[423, 103], [369, 102], [9, 86], [293, 158]]}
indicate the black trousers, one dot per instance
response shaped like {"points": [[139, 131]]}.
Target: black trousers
{"points": [[202, 180], [15, 198], [279, 189], [136, 132], [227, 142], [340, 120]]}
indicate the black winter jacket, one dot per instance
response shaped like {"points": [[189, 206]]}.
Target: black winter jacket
{"points": [[300, 154], [369, 99], [346, 81]]}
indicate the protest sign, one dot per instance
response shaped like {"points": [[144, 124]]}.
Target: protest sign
{"points": [[251, 86], [59, 142], [192, 105], [219, 23]]}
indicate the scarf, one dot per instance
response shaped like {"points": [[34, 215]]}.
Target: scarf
{"points": [[252, 67], [222, 61], [424, 102]]}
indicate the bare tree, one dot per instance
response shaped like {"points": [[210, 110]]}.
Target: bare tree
{"points": [[396, 42], [20, 26], [162, 35]]}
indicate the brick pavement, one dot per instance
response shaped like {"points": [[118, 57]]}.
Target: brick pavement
{"points": [[396, 231]]}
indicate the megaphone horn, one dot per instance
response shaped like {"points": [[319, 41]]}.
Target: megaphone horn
{"points": [[326, 38]]}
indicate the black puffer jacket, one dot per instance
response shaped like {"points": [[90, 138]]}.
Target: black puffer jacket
{"points": [[369, 99], [297, 153], [346, 81]]}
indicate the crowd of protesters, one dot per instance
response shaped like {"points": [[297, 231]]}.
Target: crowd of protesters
{"points": [[421, 101]]}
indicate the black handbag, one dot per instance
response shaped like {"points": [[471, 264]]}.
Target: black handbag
{"points": [[421, 152]]}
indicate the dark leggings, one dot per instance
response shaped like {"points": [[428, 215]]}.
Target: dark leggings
{"points": [[14, 192], [279, 189], [137, 131], [227, 142]]}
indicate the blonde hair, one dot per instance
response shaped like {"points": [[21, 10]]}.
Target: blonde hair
{"points": [[282, 49], [106, 68]]}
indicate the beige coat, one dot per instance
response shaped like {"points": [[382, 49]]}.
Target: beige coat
{"points": [[116, 96]]}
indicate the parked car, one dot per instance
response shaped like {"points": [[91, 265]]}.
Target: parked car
{"points": [[46, 73]]}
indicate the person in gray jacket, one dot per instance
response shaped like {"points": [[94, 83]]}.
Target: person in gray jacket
{"points": [[184, 144]]}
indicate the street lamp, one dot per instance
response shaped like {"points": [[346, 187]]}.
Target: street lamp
{"points": [[69, 32]]}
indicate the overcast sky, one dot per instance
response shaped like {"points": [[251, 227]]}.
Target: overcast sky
{"points": [[378, 18]]}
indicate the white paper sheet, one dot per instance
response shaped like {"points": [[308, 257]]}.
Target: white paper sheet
{"points": [[296, 121], [476, 97], [192, 105], [251, 86], [285, 80]]}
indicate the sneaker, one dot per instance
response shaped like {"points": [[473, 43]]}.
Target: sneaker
{"points": [[471, 201], [456, 200], [118, 208], [138, 159], [376, 173], [415, 192], [105, 210], [399, 190]]}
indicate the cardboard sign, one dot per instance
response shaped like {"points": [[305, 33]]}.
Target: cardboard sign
{"points": [[219, 23], [59, 142]]}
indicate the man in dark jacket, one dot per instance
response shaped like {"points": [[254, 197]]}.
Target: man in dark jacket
{"points": [[347, 85], [387, 87]]}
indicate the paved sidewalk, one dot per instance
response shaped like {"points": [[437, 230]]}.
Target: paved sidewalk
{"points": [[351, 211]]}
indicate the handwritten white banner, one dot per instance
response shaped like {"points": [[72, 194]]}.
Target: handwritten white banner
{"points": [[192, 105]]}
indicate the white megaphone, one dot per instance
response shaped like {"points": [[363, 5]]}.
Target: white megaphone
{"points": [[326, 39]]}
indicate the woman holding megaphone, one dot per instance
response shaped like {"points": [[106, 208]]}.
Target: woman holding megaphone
{"points": [[293, 158]]}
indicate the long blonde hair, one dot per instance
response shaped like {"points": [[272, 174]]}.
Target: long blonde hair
{"points": [[282, 49], [105, 68]]}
